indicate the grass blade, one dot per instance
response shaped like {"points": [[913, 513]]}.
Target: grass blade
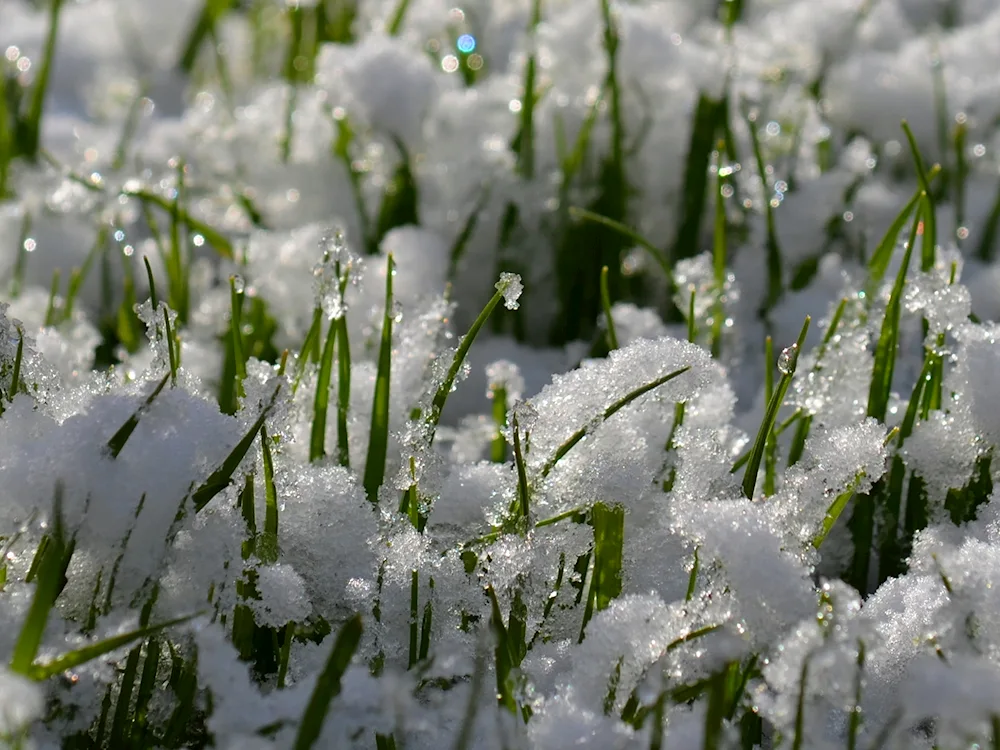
{"points": [[719, 252], [523, 492], [582, 214], [854, 723], [400, 201], [379, 436], [444, 390], [621, 403], [343, 391], [834, 511], [51, 571], [317, 438], [709, 116], [771, 446], [885, 350], [267, 544], [118, 440], [236, 334], [92, 651], [503, 654], [879, 262], [800, 708], [220, 478], [395, 25], [774, 282], [329, 683], [212, 236], [787, 363], [525, 140], [606, 579], [30, 135], [498, 446]]}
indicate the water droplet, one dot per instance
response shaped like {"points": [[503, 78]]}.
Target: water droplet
{"points": [[787, 359], [238, 283]]}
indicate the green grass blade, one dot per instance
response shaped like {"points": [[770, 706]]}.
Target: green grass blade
{"points": [[400, 201], [988, 236], [799, 737], [709, 116], [123, 706], [317, 438], [395, 25], [582, 214], [379, 436], [928, 248], [267, 544], [803, 425], [171, 346], [211, 12], [310, 348], [885, 350], [609, 539], [15, 377], [51, 308], [236, 333], [117, 442], [719, 254], [523, 491], [30, 136], [92, 651], [221, 477], [461, 242], [618, 405], [24, 240], [774, 281], [51, 569], [790, 356], [213, 237], [177, 273], [343, 391], [854, 723], [834, 511], [425, 626], [153, 298], [498, 446], [329, 683], [444, 390], [525, 140], [606, 304], [503, 655], [693, 577], [879, 262], [771, 446], [414, 616], [144, 695], [8, 146], [959, 140]]}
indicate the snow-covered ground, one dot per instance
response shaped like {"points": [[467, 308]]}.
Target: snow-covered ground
{"points": [[574, 532]]}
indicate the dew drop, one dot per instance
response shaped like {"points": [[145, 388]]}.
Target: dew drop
{"points": [[238, 283], [787, 359]]}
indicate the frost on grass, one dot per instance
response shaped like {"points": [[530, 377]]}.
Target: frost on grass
{"points": [[502, 607]]}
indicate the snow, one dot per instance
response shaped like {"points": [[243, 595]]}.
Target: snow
{"points": [[302, 179]]}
